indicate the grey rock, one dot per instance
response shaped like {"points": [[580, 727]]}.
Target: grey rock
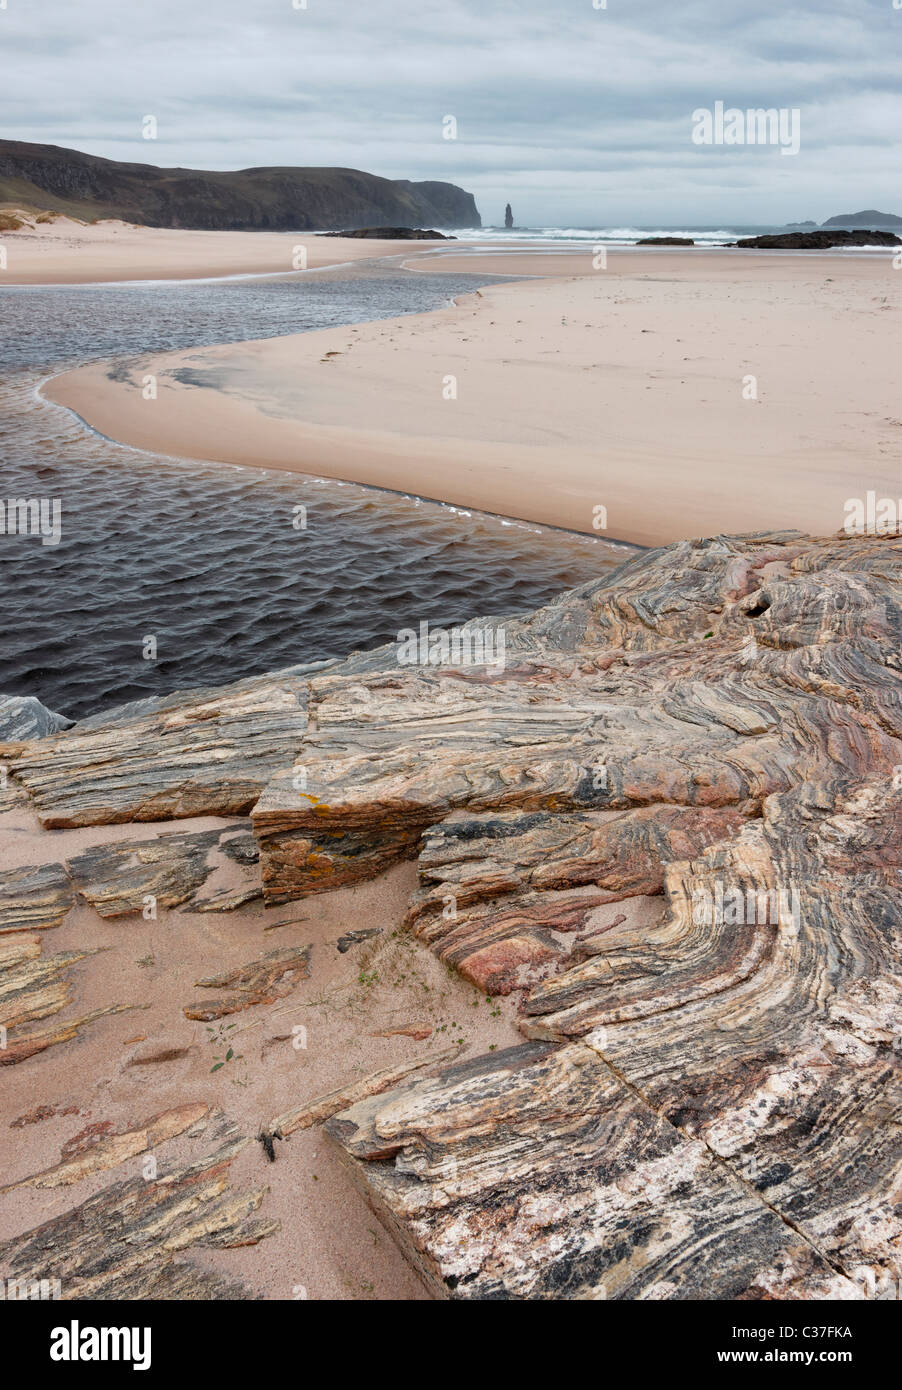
{"points": [[24, 717]]}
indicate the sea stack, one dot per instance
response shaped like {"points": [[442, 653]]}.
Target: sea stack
{"points": [[508, 216]]}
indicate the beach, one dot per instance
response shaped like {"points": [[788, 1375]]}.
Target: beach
{"points": [[450, 692], [670, 394], [66, 252], [150, 1059]]}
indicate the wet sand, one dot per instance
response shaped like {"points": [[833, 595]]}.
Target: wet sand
{"points": [[64, 252], [671, 394]]}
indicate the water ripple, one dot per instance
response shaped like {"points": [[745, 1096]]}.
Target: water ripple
{"points": [[202, 557]]}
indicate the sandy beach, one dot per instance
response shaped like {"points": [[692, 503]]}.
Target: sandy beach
{"points": [[379, 1004], [65, 252], [671, 394], [451, 694]]}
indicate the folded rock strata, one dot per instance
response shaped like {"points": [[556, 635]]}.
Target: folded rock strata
{"points": [[773, 1040], [707, 675], [191, 754], [671, 824], [34, 898], [776, 1043], [722, 1120], [538, 1173], [512, 897], [123, 1242], [261, 981], [173, 869]]}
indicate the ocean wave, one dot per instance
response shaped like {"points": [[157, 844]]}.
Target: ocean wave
{"points": [[628, 235]]}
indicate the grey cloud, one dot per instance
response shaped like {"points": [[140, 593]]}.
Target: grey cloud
{"points": [[577, 115]]}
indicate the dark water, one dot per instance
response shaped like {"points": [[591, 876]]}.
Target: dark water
{"points": [[206, 558]]}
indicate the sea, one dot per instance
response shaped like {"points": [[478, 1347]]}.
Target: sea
{"points": [[566, 238]]}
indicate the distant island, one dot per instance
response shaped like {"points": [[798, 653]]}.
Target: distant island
{"points": [[52, 179], [869, 218], [852, 220]]}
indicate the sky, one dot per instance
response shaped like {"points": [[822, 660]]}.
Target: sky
{"points": [[576, 115]]}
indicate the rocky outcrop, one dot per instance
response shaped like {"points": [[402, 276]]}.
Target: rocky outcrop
{"points": [[24, 717], [818, 241], [668, 824], [172, 870], [267, 199], [35, 987], [722, 1122], [666, 241], [261, 981], [189, 754], [123, 1242], [510, 898], [707, 675], [34, 898], [539, 1173], [393, 234], [718, 1122]]}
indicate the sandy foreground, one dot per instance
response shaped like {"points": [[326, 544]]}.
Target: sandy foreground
{"points": [[671, 394], [68, 252], [126, 1068]]}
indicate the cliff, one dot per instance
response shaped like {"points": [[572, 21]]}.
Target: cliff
{"points": [[278, 199]]}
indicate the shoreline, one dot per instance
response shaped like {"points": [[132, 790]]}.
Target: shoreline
{"points": [[515, 433], [501, 518], [120, 253], [110, 252]]}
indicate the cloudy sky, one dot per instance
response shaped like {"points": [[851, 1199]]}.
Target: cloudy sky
{"points": [[579, 116]]}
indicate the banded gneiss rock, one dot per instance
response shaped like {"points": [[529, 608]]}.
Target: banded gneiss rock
{"points": [[669, 824]]}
